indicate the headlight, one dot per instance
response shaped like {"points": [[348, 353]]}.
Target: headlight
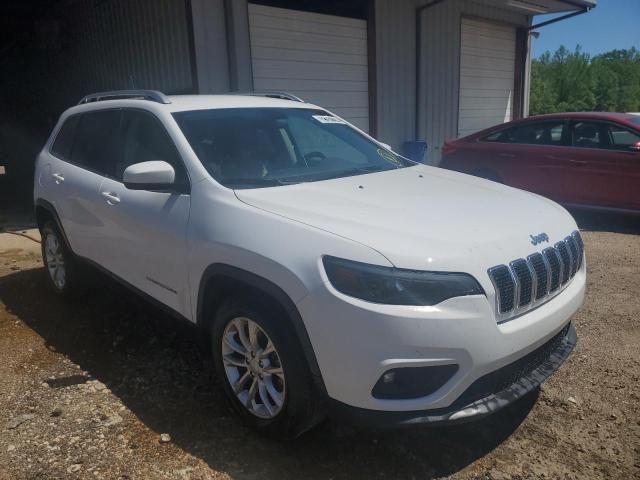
{"points": [[396, 286]]}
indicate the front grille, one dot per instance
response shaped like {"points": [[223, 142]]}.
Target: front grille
{"points": [[525, 283]]}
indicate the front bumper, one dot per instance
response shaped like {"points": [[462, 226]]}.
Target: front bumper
{"points": [[486, 395], [356, 342]]}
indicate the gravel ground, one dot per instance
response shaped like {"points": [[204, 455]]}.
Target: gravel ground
{"points": [[108, 387]]}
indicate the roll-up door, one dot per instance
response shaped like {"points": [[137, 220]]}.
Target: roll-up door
{"points": [[320, 58], [487, 64]]}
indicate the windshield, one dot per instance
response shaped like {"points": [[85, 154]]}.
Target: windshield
{"points": [[260, 147]]}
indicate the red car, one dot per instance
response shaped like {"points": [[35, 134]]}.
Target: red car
{"points": [[577, 159]]}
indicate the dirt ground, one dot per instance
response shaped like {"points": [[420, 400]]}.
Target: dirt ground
{"points": [[87, 388]]}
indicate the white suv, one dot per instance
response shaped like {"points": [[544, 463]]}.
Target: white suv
{"points": [[326, 272]]}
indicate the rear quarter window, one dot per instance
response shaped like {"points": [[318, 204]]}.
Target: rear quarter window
{"points": [[63, 143]]}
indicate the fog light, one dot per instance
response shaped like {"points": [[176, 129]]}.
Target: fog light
{"points": [[412, 382]]}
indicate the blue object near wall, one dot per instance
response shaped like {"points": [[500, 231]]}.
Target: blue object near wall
{"points": [[415, 151]]}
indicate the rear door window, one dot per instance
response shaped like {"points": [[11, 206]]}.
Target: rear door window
{"points": [[540, 133], [63, 143], [96, 141], [587, 134]]}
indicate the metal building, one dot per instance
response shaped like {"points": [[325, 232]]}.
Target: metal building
{"points": [[403, 70]]}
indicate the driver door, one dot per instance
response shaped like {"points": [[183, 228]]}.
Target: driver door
{"points": [[144, 232]]}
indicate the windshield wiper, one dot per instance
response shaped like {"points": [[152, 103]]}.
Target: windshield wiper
{"points": [[276, 182], [349, 173], [256, 182]]}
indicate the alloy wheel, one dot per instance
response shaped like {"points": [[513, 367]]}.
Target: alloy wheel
{"points": [[253, 368], [54, 256]]}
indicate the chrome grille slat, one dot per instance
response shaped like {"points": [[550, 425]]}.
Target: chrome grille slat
{"points": [[578, 240], [541, 274], [525, 283], [546, 263], [573, 250], [534, 283], [565, 257], [555, 267], [505, 286]]}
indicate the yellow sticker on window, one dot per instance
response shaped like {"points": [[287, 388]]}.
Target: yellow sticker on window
{"points": [[388, 156]]}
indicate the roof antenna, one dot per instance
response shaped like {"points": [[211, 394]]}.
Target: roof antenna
{"points": [[132, 80]]}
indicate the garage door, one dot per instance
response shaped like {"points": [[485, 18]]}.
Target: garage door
{"points": [[320, 58], [487, 63]]}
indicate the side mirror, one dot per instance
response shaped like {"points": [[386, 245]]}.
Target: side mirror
{"points": [[154, 175], [635, 147]]}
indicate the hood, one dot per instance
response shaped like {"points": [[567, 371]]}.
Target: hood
{"points": [[423, 217]]}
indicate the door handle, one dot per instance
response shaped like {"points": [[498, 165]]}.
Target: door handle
{"points": [[58, 177], [507, 155], [577, 163], [112, 198]]}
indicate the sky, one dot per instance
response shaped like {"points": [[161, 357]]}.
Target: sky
{"points": [[613, 24]]}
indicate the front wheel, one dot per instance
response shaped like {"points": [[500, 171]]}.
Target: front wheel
{"points": [[263, 370]]}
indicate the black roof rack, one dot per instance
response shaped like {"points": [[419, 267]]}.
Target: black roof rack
{"points": [[282, 95], [152, 95]]}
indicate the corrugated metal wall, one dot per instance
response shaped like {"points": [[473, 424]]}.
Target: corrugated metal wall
{"points": [[118, 44], [139, 44], [210, 45], [395, 70], [440, 67]]}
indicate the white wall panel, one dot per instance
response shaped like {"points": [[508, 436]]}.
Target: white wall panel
{"points": [[395, 41], [443, 72]]}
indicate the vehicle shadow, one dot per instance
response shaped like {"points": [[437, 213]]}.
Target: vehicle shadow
{"points": [[606, 222], [150, 362]]}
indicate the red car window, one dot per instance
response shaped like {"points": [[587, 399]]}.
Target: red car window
{"points": [[539, 133], [620, 138], [609, 136], [587, 134]]}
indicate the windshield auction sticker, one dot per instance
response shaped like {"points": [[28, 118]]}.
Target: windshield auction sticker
{"points": [[328, 119]]}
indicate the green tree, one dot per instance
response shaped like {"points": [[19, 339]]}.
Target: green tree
{"points": [[543, 95], [572, 81]]}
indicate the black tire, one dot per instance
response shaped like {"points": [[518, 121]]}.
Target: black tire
{"points": [[303, 403], [72, 283], [489, 175]]}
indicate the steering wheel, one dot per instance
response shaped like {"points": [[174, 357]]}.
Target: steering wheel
{"points": [[314, 157]]}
